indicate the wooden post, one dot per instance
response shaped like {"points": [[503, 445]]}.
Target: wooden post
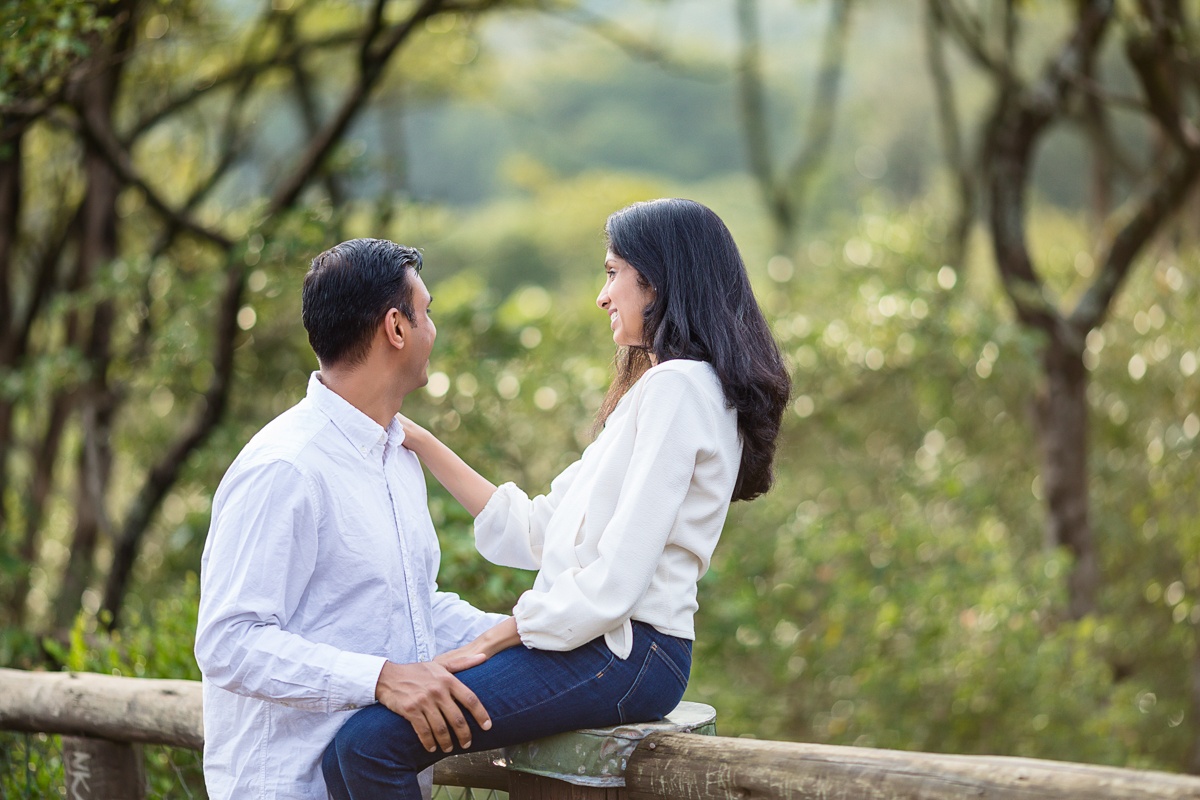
{"points": [[525, 786], [97, 769], [590, 764]]}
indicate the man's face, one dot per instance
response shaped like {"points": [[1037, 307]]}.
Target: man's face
{"points": [[419, 334]]}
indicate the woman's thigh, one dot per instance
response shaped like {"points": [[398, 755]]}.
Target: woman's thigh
{"points": [[530, 694], [534, 693]]}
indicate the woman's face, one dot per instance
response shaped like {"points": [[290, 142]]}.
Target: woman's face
{"points": [[624, 298]]}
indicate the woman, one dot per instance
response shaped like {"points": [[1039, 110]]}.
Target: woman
{"points": [[626, 532]]}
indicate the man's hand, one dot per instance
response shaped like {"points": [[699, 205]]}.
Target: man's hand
{"points": [[428, 696]]}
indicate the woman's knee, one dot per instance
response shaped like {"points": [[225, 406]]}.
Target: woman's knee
{"points": [[376, 733], [332, 773]]}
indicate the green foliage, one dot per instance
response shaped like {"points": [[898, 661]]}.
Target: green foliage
{"points": [[155, 643], [43, 39], [30, 765], [893, 590]]}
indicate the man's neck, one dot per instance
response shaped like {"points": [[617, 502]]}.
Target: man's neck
{"points": [[358, 387]]}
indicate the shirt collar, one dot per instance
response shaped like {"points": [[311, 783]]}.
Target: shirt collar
{"points": [[363, 433]]}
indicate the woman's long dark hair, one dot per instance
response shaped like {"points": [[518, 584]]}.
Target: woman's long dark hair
{"points": [[703, 309]]}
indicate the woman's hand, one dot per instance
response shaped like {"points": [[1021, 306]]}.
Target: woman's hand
{"points": [[416, 438], [500, 636], [468, 486]]}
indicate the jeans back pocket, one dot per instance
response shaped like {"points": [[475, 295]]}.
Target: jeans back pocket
{"points": [[656, 690]]}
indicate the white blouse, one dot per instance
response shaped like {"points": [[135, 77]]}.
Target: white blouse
{"points": [[628, 529]]}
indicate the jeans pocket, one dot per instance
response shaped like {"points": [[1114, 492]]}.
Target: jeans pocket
{"points": [[656, 690]]}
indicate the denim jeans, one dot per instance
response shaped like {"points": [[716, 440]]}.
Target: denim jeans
{"points": [[528, 694]]}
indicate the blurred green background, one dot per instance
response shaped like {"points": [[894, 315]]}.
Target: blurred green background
{"points": [[169, 167]]}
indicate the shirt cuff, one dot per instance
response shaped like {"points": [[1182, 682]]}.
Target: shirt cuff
{"points": [[494, 513], [353, 681]]}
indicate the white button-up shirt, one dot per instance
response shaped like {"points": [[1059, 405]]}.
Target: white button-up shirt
{"points": [[321, 563]]}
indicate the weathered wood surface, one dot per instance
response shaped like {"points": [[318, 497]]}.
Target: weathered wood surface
{"points": [[102, 706], [527, 786], [665, 765], [97, 769], [156, 711], [475, 770], [719, 768]]}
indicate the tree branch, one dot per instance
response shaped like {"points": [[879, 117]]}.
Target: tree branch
{"points": [[1152, 212], [305, 99], [629, 43], [10, 215], [118, 159], [43, 287], [757, 133], [829, 78], [969, 34], [165, 473], [1160, 84], [43, 457], [948, 121], [372, 61], [242, 72], [1021, 116]]}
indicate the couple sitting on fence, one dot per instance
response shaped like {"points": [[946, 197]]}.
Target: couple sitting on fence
{"points": [[332, 662]]}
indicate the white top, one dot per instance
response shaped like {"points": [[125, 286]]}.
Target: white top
{"points": [[321, 562], [628, 529]]}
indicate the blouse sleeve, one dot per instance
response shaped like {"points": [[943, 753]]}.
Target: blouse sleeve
{"points": [[511, 528], [674, 429]]}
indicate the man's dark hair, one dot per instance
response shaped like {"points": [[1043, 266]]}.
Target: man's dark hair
{"points": [[348, 291]]}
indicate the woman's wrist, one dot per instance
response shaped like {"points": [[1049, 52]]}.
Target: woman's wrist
{"points": [[501, 636]]}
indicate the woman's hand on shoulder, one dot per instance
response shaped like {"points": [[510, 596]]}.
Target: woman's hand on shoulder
{"points": [[416, 438]]}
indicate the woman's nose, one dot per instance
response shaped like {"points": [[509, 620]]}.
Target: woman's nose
{"points": [[602, 298]]}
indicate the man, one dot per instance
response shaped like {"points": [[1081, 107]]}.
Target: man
{"points": [[318, 581]]}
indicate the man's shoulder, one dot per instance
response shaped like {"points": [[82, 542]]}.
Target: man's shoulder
{"points": [[287, 439]]}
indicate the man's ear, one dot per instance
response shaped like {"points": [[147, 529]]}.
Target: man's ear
{"points": [[395, 329]]}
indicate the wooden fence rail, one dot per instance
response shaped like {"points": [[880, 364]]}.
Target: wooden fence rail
{"points": [[664, 765]]}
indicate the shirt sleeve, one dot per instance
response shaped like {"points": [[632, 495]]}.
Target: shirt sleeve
{"points": [[261, 553], [511, 528], [456, 622], [674, 425]]}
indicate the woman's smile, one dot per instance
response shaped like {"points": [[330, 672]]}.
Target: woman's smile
{"points": [[624, 288]]}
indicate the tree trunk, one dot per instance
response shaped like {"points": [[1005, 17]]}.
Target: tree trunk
{"points": [[755, 127], [94, 96], [165, 473], [1063, 432], [379, 45], [948, 123], [44, 458], [10, 209], [784, 194]]}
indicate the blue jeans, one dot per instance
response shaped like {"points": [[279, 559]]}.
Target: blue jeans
{"points": [[528, 694]]}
